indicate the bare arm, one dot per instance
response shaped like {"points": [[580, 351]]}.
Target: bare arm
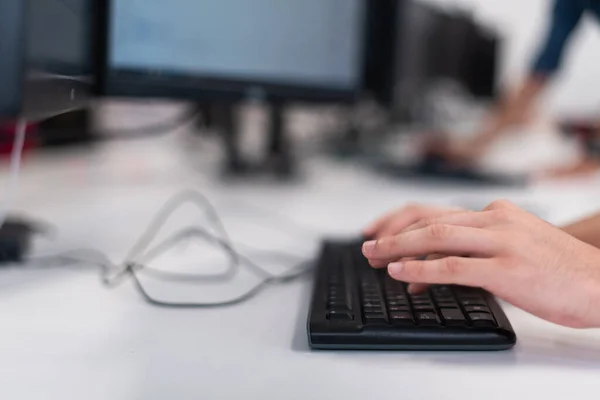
{"points": [[513, 109], [564, 19], [587, 230]]}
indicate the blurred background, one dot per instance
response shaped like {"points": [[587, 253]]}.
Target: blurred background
{"points": [[428, 92]]}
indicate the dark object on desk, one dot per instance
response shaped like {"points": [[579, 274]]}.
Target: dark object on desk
{"points": [[436, 166], [72, 128], [15, 240], [356, 307]]}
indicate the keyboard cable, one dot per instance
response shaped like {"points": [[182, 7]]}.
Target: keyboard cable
{"points": [[141, 255]]}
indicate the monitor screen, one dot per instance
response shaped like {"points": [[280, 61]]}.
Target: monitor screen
{"points": [[48, 62], [315, 44], [59, 34]]}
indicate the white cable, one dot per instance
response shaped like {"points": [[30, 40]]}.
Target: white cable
{"points": [[15, 166]]}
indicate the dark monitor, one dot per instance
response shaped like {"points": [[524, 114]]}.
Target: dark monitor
{"points": [[465, 52], [231, 49], [47, 60], [414, 46]]}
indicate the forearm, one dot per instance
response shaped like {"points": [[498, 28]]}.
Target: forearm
{"points": [[512, 110], [587, 230]]}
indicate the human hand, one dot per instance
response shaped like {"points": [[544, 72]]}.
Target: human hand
{"points": [[397, 220], [506, 251], [464, 151]]}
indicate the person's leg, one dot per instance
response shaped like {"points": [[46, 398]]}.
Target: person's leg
{"points": [[595, 8]]}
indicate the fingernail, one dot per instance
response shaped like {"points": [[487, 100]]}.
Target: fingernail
{"points": [[395, 268], [368, 247]]}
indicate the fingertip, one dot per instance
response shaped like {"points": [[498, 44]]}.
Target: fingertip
{"points": [[395, 269], [368, 231], [376, 264], [417, 288], [411, 289], [368, 248]]}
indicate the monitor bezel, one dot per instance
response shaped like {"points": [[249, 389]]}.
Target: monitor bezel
{"points": [[37, 95], [146, 84], [12, 39]]}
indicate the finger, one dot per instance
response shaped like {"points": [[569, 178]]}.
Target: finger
{"points": [[446, 270], [395, 226], [384, 263], [435, 239], [416, 288], [376, 225], [466, 218], [502, 205], [401, 218], [395, 221]]}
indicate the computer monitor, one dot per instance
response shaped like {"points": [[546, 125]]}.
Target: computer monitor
{"points": [[231, 49], [415, 45], [47, 60]]}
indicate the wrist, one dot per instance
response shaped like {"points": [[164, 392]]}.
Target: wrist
{"points": [[586, 230], [593, 320]]}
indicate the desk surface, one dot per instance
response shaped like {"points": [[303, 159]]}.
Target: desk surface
{"points": [[65, 336]]}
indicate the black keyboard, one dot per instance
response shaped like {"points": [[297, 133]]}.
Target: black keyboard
{"points": [[355, 306]]}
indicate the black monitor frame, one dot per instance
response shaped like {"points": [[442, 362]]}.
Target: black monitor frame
{"points": [[35, 95], [12, 39], [142, 84]]}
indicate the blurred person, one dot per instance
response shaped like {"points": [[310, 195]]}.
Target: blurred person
{"points": [[588, 134], [550, 272], [515, 109]]}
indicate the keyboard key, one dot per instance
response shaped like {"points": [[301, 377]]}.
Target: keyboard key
{"points": [[373, 310], [428, 319], [370, 293], [444, 299], [399, 308], [441, 289], [397, 303], [472, 302], [337, 305], [375, 318], [423, 307], [368, 304], [402, 318], [453, 317], [467, 290], [391, 290], [395, 296], [482, 319], [334, 315], [421, 301], [447, 304], [482, 309]]}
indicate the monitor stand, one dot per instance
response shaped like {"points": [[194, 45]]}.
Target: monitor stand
{"points": [[278, 159]]}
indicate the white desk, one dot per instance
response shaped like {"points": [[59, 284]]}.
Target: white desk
{"points": [[64, 336]]}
